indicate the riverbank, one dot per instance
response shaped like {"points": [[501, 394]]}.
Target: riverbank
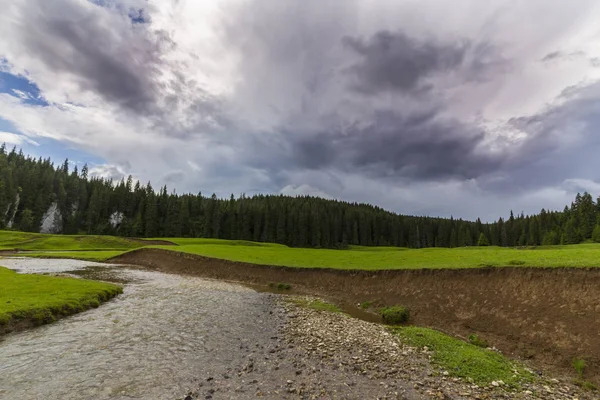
{"points": [[318, 354], [180, 337], [544, 316], [372, 362], [32, 300]]}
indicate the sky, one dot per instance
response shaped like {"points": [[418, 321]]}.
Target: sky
{"points": [[439, 107]]}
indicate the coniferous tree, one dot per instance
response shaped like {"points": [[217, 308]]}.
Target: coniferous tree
{"points": [[596, 234], [29, 187], [483, 240]]}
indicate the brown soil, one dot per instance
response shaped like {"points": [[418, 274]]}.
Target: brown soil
{"points": [[546, 315]]}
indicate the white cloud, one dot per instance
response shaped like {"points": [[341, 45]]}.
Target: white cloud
{"points": [[233, 86], [303, 190], [13, 138]]}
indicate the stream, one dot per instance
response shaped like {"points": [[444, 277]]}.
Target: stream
{"points": [[158, 340]]}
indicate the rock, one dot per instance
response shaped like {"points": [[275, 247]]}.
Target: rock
{"points": [[51, 220]]}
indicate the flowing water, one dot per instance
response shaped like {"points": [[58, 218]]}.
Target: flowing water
{"points": [[155, 341]]}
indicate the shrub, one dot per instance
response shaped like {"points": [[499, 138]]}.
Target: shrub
{"points": [[587, 385], [280, 286], [477, 341], [366, 304], [395, 315]]}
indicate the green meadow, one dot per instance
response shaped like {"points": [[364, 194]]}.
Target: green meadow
{"points": [[11, 240], [102, 248], [39, 299], [373, 258]]}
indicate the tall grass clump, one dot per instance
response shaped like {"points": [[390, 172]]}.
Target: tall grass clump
{"points": [[395, 315]]}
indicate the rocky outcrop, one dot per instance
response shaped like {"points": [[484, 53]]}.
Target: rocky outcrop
{"points": [[52, 220], [116, 219], [11, 219]]}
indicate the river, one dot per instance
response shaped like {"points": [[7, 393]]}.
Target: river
{"points": [[158, 340]]}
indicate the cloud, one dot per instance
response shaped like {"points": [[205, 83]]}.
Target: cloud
{"points": [[418, 109], [98, 51], [395, 61], [18, 140], [419, 146], [114, 172], [303, 190]]}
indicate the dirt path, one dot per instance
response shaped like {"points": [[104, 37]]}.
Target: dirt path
{"points": [[545, 316]]}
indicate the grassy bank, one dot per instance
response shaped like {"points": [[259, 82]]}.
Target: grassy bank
{"points": [[465, 360], [101, 248], [30, 300], [11, 240], [372, 258]]}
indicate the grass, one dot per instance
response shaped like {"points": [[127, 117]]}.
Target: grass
{"points": [[587, 385], [280, 286], [580, 365], [465, 360], [354, 258], [478, 341], [317, 304], [222, 242], [11, 240], [394, 315], [365, 305], [582, 255], [39, 299]]}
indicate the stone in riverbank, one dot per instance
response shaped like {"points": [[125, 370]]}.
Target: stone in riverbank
{"points": [[318, 355]]}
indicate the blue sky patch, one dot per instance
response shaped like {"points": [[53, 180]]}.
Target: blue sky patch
{"points": [[21, 87], [137, 16], [47, 147]]}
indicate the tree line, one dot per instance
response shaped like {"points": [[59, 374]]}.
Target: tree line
{"points": [[36, 193]]}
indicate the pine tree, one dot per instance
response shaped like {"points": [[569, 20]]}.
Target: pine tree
{"points": [[596, 234], [570, 234], [28, 187], [483, 240], [151, 213]]}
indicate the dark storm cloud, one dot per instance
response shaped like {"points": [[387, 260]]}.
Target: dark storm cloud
{"points": [[552, 56], [333, 125], [395, 61], [561, 142], [419, 146], [558, 55], [119, 62]]}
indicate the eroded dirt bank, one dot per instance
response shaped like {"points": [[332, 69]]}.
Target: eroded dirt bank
{"points": [[547, 315]]}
